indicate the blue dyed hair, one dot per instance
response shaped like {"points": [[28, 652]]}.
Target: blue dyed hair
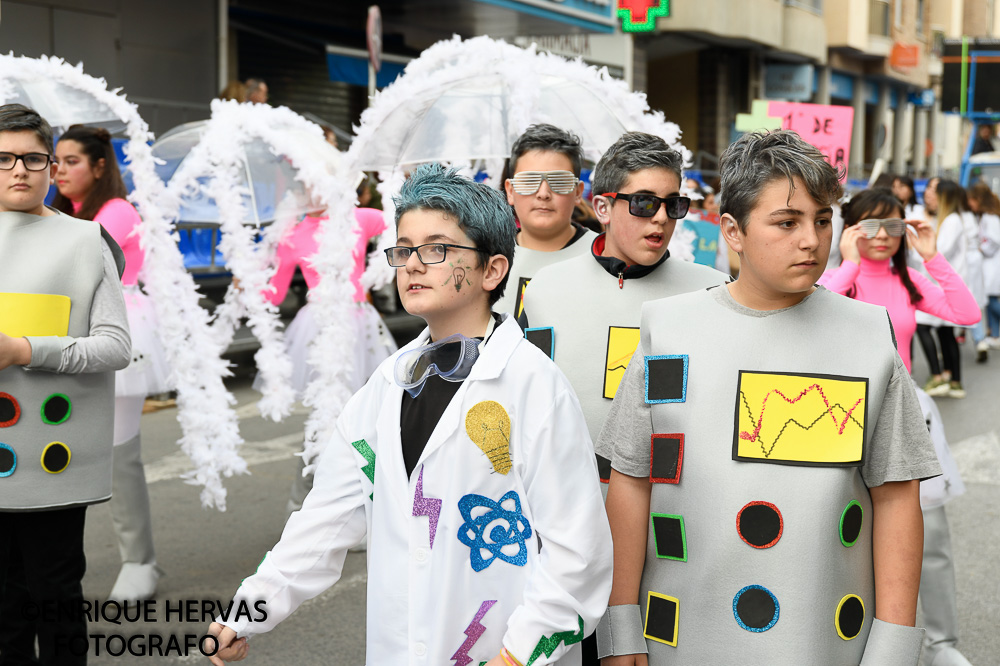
{"points": [[480, 211]]}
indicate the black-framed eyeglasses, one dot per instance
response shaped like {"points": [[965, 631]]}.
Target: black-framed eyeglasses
{"points": [[31, 161], [428, 253], [647, 205]]}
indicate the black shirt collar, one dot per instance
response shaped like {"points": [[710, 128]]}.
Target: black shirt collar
{"points": [[619, 268]]}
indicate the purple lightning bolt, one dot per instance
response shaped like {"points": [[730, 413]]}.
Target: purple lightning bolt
{"points": [[473, 631], [426, 506]]}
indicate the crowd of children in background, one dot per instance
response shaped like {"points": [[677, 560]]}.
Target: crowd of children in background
{"points": [[748, 427]]}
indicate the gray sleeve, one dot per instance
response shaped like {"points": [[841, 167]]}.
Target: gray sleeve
{"points": [[627, 431], [108, 346], [900, 449]]}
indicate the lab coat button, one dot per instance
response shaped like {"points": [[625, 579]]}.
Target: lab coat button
{"points": [[420, 649], [420, 554]]}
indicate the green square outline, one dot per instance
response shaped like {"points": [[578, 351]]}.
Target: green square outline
{"points": [[683, 536]]}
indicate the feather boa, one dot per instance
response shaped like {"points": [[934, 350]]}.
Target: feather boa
{"points": [[210, 434]]}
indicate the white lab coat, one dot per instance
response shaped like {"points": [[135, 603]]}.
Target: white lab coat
{"points": [[958, 241], [423, 597]]}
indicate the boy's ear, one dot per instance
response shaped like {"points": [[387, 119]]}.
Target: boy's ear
{"points": [[509, 189], [494, 271], [731, 232], [602, 209]]}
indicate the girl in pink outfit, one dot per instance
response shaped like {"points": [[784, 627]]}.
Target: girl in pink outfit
{"points": [[91, 188], [874, 270], [373, 343]]}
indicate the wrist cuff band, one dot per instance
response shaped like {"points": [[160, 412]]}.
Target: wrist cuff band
{"points": [[620, 632], [892, 645]]}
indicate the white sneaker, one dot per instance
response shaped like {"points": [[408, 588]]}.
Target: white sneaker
{"points": [[136, 582], [994, 343]]}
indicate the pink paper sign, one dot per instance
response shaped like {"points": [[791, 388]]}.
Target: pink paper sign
{"points": [[825, 126]]}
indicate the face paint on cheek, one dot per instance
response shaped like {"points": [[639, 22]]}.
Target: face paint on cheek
{"points": [[459, 274]]}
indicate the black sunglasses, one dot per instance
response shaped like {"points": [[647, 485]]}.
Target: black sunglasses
{"points": [[647, 205]]}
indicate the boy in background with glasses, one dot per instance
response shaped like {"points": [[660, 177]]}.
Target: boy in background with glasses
{"points": [[544, 187], [766, 445], [584, 312], [63, 333], [464, 460]]}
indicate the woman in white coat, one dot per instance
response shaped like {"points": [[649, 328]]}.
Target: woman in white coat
{"points": [[986, 205], [958, 241]]}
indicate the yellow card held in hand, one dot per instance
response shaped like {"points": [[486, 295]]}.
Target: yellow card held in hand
{"points": [[34, 314]]}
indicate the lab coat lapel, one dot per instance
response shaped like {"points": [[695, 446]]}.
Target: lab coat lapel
{"points": [[491, 362]]}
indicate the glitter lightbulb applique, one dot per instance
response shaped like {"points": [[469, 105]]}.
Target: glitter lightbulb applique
{"points": [[488, 425]]}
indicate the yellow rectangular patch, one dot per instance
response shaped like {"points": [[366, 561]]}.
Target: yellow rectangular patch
{"points": [[800, 419], [34, 314], [622, 343]]}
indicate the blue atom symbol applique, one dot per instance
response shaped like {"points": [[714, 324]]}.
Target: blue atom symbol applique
{"points": [[491, 531]]}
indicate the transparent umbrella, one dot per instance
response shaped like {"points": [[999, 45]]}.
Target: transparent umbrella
{"points": [[470, 118], [60, 104], [460, 102], [268, 176]]}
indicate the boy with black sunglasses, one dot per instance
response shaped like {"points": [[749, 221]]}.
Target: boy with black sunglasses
{"points": [[464, 460], [584, 312], [544, 188], [766, 446]]}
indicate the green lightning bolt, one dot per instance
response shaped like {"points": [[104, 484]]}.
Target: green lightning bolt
{"points": [[369, 469], [548, 645]]}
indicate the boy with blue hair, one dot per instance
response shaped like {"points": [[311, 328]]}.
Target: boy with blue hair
{"points": [[466, 462]]}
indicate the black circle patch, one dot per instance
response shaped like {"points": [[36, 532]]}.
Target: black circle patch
{"points": [[760, 524], [755, 608], [850, 617], [56, 409], [8, 460], [10, 411], [55, 457], [850, 523]]}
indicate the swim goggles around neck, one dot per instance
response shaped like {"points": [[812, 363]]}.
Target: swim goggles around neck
{"points": [[450, 358]]}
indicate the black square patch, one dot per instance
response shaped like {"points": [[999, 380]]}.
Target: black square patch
{"points": [[543, 338], [665, 458], [603, 469], [669, 535], [662, 618], [666, 379]]}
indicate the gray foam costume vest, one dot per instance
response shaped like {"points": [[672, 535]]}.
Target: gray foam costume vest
{"points": [[55, 429], [593, 324], [527, 263], [745, 557]]}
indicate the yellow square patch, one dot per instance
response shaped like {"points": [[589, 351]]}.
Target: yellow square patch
{"points": [[622, 343], [805, 419], [34, 314]]}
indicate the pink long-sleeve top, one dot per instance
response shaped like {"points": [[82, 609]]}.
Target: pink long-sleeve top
{"points": [[119, 218], [875, 282], [299, 244]]}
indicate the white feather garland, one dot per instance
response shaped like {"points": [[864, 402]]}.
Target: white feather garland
{"points": [[210, 434]]}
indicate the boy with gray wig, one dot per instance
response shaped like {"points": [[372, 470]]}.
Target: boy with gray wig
{"points": [[765, 461], [464, 460], [584, 312]]}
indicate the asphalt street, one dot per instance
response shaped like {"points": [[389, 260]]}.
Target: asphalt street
{"points": [[206, 554]]}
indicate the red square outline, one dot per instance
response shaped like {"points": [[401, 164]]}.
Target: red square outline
{"points": [[680, 457]]}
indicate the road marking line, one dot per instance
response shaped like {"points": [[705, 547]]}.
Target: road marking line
{"points": [[255, 453], [978, 458]]}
